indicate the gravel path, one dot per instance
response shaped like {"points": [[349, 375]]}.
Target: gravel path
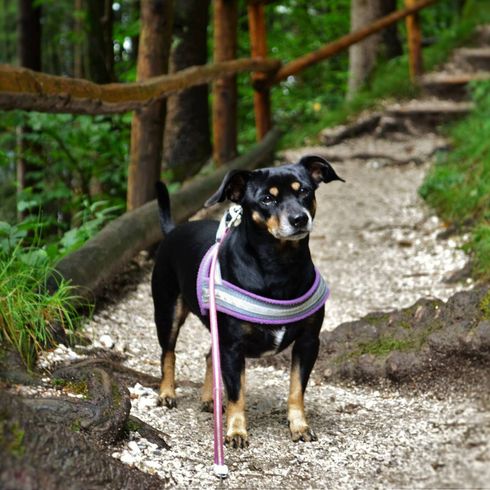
{"points": [[376, 243]]}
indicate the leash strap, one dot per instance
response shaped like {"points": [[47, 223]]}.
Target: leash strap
{"points": [[230, 219]]}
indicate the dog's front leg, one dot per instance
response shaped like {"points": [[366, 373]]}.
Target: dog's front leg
{"points": [[233, 371], [305, 352]]}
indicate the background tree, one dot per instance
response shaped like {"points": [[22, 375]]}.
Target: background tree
{"points": [[187, 143], [29, 55], [148, 124], [100, 50], [363, 55]]}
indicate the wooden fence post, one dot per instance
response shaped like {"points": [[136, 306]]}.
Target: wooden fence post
{"points": [[414, 40], [258, 44], [225, 89], [148, 123]]}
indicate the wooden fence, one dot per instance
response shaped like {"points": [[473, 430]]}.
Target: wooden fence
{"points": [[21, 88]]}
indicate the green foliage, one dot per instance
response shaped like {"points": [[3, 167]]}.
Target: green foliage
{"points": [[75, 161], [458, 186], [28, 312]]}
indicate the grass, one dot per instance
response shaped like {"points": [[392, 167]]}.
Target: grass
{"points": [[458, 186], [28, 312]]}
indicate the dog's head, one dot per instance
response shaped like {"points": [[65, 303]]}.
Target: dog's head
{"points": [[280, 200]]}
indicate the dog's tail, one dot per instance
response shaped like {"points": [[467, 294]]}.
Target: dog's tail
{"points": [[163, 199]]}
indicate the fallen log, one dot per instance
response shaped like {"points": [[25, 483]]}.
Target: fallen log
{"points": [[98, 260]]}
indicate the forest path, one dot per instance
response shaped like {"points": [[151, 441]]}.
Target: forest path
{"points": [[377, 245]]}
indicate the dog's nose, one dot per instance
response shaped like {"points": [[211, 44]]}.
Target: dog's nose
{"points": [[299, 220]]}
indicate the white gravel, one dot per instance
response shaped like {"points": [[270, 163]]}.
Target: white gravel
{"points": [[376, 243]]}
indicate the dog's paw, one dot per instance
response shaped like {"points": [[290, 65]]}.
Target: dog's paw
{"points": [[304, 434], [237, 440], [208, 406], [167, 401]]}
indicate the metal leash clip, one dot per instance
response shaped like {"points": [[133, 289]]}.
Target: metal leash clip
{"points": [[231, 218]]}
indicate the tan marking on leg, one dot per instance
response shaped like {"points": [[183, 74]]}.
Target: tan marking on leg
{"points": [[298, 425], [207, 387], [167, 385], [296, 186], [274, 191], [236, 422]]}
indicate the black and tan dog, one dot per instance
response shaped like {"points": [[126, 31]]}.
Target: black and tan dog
{"points": [[267, 254]]}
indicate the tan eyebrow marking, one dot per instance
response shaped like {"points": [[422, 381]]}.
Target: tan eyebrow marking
{"points": [[296, 186], [274, 191]]}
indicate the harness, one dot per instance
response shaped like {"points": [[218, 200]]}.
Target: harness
{"points": [[250, 307]]}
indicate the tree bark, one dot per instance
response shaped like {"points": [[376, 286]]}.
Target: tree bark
{"points": [[78, 71], [363, 55], [258, 43], [29, 53], [148, 124], [225, 128], [187, 144], [392, 45], [100, 51]]}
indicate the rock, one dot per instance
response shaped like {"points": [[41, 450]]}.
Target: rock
{"points": [[134, 448], [401, 365], [106, 341]]}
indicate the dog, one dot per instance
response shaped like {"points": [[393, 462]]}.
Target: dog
{"points": [[268, 255]]}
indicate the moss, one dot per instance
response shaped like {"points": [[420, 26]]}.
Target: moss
{"points": [[76, 425], [77, 387], [116, 394], [485, 306], [12, 437], [385, 345], [376, 319]]}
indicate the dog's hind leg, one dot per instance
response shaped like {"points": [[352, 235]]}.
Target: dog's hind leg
{"points": [[169, 318]]}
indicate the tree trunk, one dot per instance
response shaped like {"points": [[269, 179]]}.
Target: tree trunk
{"points": [[187, 143], [363, 55], [148, 123], [100, 51], [78, 48], [392, 45], [225, 90], [29, 53]]}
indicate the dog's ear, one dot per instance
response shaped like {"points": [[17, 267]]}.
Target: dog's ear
{"points": [[319, 169], [232, 187]]}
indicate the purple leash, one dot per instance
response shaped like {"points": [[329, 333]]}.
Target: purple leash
{"points": [[231, 218]]}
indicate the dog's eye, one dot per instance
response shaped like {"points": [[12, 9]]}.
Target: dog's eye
{"points": [[267, 199], [303, 191]]}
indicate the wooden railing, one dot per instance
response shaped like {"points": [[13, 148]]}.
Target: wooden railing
{"points": [[33, 91]]}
